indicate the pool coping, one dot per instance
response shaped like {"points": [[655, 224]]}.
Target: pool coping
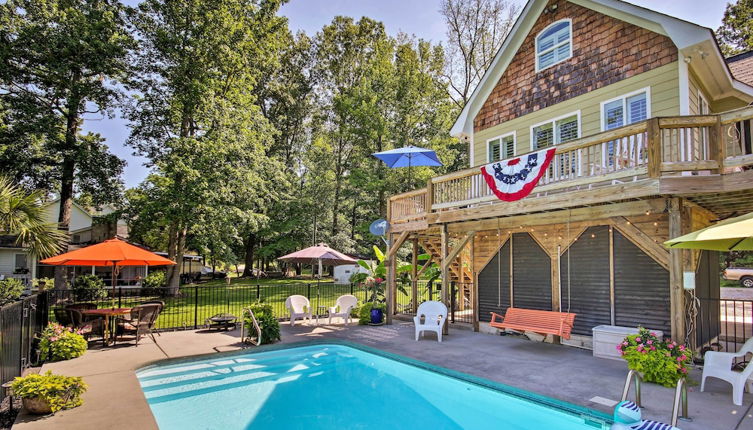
{"points": [[597, 417]]}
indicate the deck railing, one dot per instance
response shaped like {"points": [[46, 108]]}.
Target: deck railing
{"points": [[667, 146]]}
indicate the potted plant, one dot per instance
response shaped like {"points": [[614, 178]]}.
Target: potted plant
{"points": [[61, 343], [658, 361], [373, 281], [48, 393]]}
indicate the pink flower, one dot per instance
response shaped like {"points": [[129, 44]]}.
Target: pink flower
{"points": [[681, 348], [653, 348], [653, 334], [650, 342], [637, 339], [53, 339]]}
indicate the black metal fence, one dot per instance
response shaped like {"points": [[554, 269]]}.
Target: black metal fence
{"points": [[723, 325], [193, 305], [460, 309], [20, 322]]}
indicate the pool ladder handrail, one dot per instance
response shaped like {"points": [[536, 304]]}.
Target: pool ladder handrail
{"points": [[254, 321], [680, 403]]}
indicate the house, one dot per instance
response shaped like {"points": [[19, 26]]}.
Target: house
{"points": [[343, 273], [652, 131]]}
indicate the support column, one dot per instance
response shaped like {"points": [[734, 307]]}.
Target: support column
{"points": [[445, 265], [414, 277], [388, 292], [474, 285], [676, 293]]}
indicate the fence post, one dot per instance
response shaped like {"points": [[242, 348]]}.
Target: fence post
{"points": [[452, 301], [308, 291], [351, 288], [258, 293], [120, 297], [195, 307]]}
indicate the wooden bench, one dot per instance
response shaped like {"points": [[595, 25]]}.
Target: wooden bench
{"points": [[541, 322]]}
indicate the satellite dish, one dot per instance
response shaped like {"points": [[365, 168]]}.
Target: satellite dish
{"points": [[379, 227]]}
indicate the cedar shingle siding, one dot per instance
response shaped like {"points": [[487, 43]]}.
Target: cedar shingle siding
{"points": [[605, 51]]}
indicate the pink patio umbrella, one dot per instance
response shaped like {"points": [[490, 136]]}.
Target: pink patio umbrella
{"points": [[320, 254]]}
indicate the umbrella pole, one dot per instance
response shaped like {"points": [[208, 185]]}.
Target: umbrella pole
{"points": [[114, 278]]}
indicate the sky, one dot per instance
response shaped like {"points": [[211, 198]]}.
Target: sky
{"points": [[418, 17]]}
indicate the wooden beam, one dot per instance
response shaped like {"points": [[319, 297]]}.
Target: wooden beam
{"points": [[643, 241], [676, 293], [414, 276], [692, 185], [638, 207], [474, 285], [426, 265], [395, 246], [445, 271], [411, 226], [457, 249], [654, 148]]}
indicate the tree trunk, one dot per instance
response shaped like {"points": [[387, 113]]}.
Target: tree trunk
{"points": [[175, 250], [248, 271]]}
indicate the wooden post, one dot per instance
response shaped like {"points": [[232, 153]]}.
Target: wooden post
{"points": [[414, 277], [474, 284], [391, 267], [445, 265], [676, 293], [653, 132], [556, 289], [429, 196], [716, 145]]}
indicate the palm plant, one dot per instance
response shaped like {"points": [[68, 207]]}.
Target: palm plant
{"points": [[22, 215]]}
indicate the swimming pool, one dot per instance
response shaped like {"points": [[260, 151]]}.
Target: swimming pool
{"points": [[326, 386]]}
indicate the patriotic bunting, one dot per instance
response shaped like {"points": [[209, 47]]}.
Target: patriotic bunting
{"points": [[515, 178]]}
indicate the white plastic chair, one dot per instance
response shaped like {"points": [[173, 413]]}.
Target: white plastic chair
{"points": [[719, 365], [435, 314], [345, 304], [299, 307]]}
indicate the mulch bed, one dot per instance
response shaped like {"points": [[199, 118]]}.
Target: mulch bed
{"points": [[7, 417]]}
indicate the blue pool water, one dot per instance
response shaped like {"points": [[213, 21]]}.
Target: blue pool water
{"points": [[336, 386]]}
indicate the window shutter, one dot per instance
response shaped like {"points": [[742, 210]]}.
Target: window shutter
{"points": [[494, 150], [567, 129], [543, 136], [509, 144], [613, 115], [637, 109]]}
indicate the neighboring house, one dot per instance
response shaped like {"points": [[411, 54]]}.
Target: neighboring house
{"points": [[652, 129], [343, 273]]}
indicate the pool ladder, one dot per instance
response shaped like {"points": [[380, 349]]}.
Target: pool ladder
{"points": [[256, 341], [680, 399]]}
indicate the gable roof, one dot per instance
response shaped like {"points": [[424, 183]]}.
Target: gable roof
{"points": [[689, 38], [741, 66]]}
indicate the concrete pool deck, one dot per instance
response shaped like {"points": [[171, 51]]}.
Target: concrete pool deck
{"points": [[114, 399]]}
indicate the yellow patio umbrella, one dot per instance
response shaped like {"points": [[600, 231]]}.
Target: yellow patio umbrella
{"points": [[734, 234]]}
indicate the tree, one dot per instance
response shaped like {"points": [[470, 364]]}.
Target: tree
{"points": [[60, 60], [475, 32], [197, 119], [22, 215], [735, 35]]}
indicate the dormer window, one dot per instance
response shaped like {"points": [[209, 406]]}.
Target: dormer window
{"points": [[554, 44]]}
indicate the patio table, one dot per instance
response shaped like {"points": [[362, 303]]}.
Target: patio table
{"points": [[108, 315]]}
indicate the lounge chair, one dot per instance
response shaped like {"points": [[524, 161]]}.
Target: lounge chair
{"points": [[141, 322], [342, 308], [434, 315], [63, 317], [299, 307], [719, 365]]}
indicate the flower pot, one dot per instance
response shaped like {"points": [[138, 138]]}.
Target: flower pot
{"points": [[37, 406], [376, 316]]}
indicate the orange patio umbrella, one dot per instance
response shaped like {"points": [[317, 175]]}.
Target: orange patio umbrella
{"points": [[114, 253]]}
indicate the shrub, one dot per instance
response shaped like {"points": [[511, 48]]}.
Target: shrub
{"points": [[154, 284], [10, 290], [60, 392], [42, 283], [364, 312], [270, 327], [88, 288], [61, 343], [660, 362]]}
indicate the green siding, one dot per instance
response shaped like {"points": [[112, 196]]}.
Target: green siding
{"points": [[664, 84]]}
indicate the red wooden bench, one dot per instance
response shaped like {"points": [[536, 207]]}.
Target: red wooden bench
{"points": [[541, 322]]}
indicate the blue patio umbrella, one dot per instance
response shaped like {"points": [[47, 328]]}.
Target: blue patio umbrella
{"points": [[408, 156]]}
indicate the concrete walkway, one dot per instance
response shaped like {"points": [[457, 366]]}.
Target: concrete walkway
{"points": [[114, 399]]}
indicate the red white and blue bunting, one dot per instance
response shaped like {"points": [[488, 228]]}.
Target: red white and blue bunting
{"points": [[515, 178]]}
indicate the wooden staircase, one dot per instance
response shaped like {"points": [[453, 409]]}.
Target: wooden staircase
{"points": [[458, 273]]}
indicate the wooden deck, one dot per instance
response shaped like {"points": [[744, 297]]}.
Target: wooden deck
{"points": [[704, 159]]}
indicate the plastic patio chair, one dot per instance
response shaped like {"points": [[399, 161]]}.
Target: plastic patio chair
{"points": [[299, 307], [435, 314], [345, 304], [719, 365]]}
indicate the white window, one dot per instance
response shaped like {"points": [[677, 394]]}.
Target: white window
{"points": [[627, 109], [554, 44], [556, 131], [703, 104], [21, 262], [501, 147]]}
